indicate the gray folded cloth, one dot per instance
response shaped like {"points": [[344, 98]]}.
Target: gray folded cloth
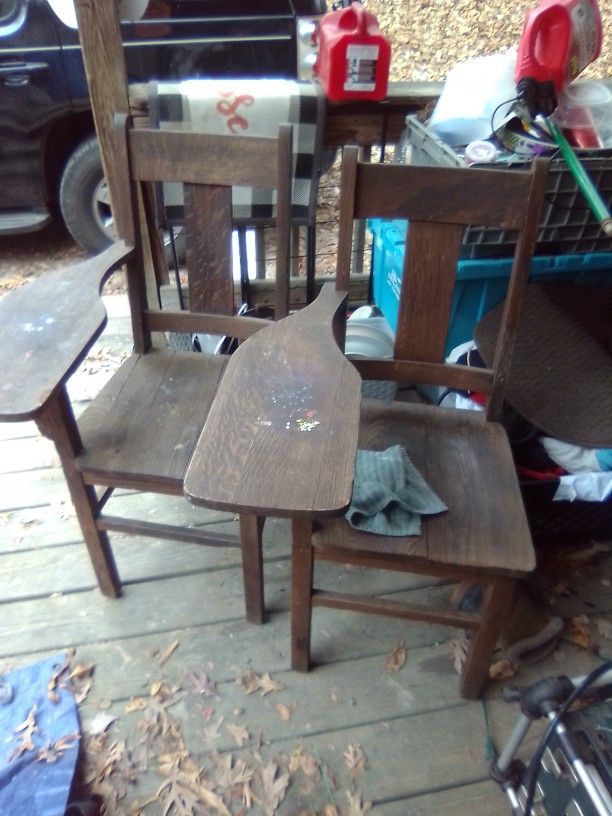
{"points": [[389, 494]]}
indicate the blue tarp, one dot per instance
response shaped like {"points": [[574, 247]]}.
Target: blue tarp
{"points": [[27, 786]]}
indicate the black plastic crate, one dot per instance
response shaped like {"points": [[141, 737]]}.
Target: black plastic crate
{"points": [[563, 521], [567, 226]]}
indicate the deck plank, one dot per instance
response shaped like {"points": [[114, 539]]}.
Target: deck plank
{"points": [[29, 453], [176, 602], [477, 799]]}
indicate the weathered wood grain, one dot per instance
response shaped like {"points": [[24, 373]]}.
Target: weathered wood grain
{"points": [[47, 327], [475, 799], [280, 438]]}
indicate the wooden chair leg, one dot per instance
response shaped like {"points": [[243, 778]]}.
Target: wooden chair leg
{"points": [[58, 424], [251, 531], [496, 606], [301, 593]]}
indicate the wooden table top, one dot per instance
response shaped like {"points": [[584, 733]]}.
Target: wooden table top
{"points": [[281, 436]]}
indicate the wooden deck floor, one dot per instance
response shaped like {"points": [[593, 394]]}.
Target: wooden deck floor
{"points": [[424, 747]]}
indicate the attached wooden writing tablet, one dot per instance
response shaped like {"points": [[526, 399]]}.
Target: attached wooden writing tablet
{"points": [[281, 435]]}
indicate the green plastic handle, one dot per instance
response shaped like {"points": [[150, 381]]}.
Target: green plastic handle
{"points": [[583, 180]]}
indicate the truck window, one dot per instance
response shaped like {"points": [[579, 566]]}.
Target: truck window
{"points": [[128, 10]]}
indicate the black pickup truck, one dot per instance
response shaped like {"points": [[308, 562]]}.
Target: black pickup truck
{"points": [[49, 158]]}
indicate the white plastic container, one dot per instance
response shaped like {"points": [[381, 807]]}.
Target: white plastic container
{"points": [[471, 94], [369, 335]]}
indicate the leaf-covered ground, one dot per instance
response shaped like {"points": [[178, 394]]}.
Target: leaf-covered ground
{"points": [[430, 36]]}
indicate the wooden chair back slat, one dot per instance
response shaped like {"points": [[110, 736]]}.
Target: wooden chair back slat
{"points": [[283, 225], [516, 288], [453, 196], [453, 376], [430, 268], [439, 203], [348, 184], [201, 158], [188, 322], [208, 232]]}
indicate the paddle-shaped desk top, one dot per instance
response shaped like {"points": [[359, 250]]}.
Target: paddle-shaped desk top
{"points": [[281, 436], [47, 328]]}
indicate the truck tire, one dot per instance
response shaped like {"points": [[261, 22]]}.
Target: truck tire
{"points": [[85, 204], [83, 198]]}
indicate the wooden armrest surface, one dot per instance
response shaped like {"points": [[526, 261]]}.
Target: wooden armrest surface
{"points": [[281, 436], [47, 327]]}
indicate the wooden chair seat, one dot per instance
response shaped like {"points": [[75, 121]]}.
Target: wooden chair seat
{"points": [[142, 427], [461, 456]]}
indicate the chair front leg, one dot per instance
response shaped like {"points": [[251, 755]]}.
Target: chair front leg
{"points": [[496, 606], [251, 533], [57, 422], [301, 593]]}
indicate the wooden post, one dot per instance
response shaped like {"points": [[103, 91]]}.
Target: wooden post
{"points": [[100, 36], [102, 46]]}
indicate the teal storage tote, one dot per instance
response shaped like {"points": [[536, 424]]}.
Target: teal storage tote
{"points": [[480, 285]]}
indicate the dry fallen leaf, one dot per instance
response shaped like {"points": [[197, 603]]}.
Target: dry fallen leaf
{"points": [[273, 789], [26, 729], [136, 704], [156, 687], [81, 670], [355, 759], [199, 683], [168, 652], [285, 711], [579, 631], [355, 805], [251, 682], [460, 647], [48, 754], [67, 741], [54, 751], [238, 733], [300, 759], [330, 810], [501, 670], [183, 792], [100, 723], [80, 695], [57, 677], [397, 658], [229, 773]]}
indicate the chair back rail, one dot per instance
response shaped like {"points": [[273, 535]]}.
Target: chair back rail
{"points": [[207, 166], [454, 200]]}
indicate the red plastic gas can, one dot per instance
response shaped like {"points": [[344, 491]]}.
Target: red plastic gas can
{"points": [[560, 38], [354, 56]]}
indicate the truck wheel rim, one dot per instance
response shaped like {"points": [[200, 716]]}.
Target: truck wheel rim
{"points": [[102, 210]]}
